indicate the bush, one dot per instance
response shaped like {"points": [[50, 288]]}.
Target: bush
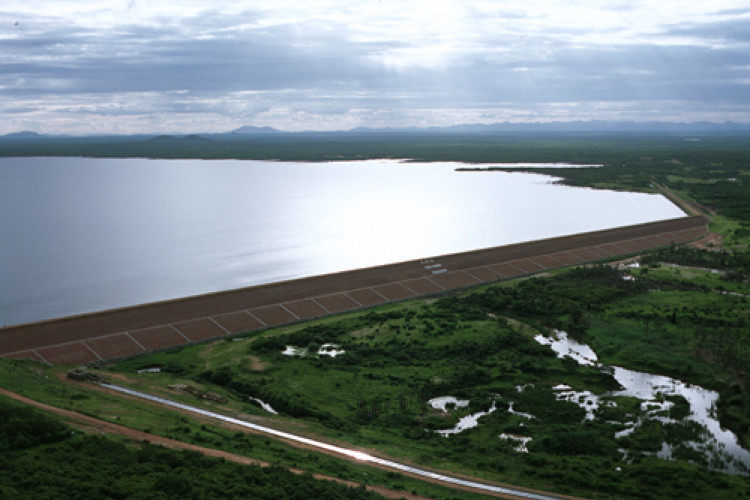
{"points": [[575, 441], [22, 427]]}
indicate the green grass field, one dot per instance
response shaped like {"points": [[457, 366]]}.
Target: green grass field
{"points": [[477, 346]]}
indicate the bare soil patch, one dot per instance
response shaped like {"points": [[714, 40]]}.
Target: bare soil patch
{"points": [[711, 241], [256, 364]]}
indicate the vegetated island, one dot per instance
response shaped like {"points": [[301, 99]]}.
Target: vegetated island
{"points": [[468, 383]]}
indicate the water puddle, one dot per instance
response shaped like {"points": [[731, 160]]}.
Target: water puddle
{"points": [[471, 421], [294, 351], [565, 346], [263, 405], [521, 441], [720, 446], [467, 422], [151, 369], [585, 399], [528, 416], [331, 350], [442, 402]]}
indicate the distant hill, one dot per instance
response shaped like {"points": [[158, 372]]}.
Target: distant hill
{"points": [[26, 134], [529, 127], [249, 129], [592, 126], [160, 138], [168, 138], [570, 126]]}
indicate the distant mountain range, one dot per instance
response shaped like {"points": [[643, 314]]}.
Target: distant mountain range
{"points": [[249, 129], [572, 126], [480, 129], [26, 134]]}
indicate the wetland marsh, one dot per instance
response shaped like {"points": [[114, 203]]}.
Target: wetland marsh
{"points": [[530, 414]]}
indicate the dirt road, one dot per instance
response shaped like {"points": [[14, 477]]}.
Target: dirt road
{"points": [[94, 425]]}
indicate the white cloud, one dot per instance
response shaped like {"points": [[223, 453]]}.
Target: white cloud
{"points": [[338, 64]]}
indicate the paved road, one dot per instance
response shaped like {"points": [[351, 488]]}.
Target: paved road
{"points": [[357, 455], [89, 423], [135, 330]]}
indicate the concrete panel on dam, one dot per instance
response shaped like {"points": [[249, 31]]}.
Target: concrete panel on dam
{"points": [[132, 330]]}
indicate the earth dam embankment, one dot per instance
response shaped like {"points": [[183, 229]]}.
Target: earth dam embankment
{"points": [[134, 330]]}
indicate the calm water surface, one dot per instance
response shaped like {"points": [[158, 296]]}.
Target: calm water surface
{"points": [[82, 234], [721, 447]]}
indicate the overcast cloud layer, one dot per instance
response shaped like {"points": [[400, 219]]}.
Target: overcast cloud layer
{"points": [[83, 67]]}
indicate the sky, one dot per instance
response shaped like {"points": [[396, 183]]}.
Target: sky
{"points": [[136, 66]]}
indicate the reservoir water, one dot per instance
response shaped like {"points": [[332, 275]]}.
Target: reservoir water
{"points": [[83, 234]]}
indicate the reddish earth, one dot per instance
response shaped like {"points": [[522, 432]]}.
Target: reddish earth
{"points": [[133, 330], [94, 425], [709, 241]]}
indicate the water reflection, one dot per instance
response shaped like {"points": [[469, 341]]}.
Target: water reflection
{"points": [[721, 446], [104, 233], [467, 422], [441, 403], [357, 455]]}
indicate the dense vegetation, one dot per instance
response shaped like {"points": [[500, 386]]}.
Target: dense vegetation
{"points": [[479, 346], [609, 148], [714, 173], [41, 383], [42, 458], [734, 266]]}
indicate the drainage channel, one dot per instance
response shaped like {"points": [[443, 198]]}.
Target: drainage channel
{"points": [[357, 455]]}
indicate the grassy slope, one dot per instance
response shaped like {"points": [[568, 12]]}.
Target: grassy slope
{"points": [[41, 383], [42, 458]]}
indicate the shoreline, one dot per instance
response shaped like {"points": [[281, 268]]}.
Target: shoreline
{"points": [[133, 330]]}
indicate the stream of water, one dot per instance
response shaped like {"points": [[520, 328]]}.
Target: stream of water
{"points": [[720, 446]]}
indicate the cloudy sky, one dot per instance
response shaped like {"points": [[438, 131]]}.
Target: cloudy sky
{"points": [[127, 66]]}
